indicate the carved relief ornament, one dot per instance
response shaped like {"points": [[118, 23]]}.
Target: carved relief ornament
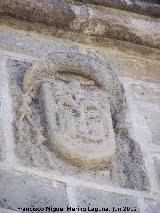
{"points": [[80, 96]]}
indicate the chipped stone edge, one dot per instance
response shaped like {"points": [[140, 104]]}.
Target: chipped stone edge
{"points": [[145, 8], [79, 18]]}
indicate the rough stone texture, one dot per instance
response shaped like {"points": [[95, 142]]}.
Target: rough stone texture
{"points": [[139, 6], [157, 168], [2, 210], [147, 100], [77, 118], [1, 134], [143, 101], [2, 142], [138, 69], [58, 57], [126, 167], [88, 20], [48, 12], [151, 206], [36, 45], [107, 23], [91, 198], [20, 190]]}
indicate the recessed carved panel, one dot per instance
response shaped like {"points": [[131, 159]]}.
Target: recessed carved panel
{"points": [[70, 118]]}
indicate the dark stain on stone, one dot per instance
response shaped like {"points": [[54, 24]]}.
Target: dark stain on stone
{"points": [[146, 7], [48, 12]]}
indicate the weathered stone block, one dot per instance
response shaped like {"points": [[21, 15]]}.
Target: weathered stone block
{"points": [[157, 169], [151, 206], [19, 190], [2, 210], [79, 123], [2, 149], [148, 6], [147, 102], [2, 92], [92, 198], [80, 91]]}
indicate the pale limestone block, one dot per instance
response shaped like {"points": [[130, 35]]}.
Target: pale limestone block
{"points": [[2, 106], [21, 190], [157, 170], [2, 210], [151, 206], [92, 198]]}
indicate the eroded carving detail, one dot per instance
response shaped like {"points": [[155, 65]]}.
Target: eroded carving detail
{"points": [[54, 96], [79, 123], [78, 118]]}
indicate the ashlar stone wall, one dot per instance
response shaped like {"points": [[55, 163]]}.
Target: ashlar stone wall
{"points": [[79, 107]]}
